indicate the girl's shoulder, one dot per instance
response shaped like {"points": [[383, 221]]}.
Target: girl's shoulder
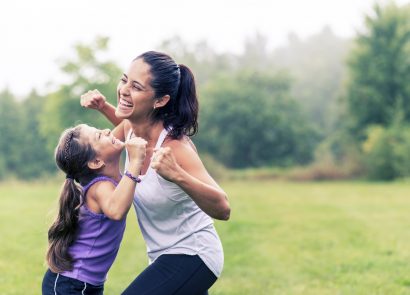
{"points": [[98, 180], [103, 186], [98, 191]]}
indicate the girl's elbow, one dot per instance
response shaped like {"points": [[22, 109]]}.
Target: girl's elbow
{"points": [[116, 216]]}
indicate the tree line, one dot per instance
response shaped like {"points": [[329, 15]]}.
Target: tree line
{"points": [[310, 103]]}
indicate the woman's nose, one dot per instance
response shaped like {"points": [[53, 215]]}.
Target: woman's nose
{"points": [[123, 89]]}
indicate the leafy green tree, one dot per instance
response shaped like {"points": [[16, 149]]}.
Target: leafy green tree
{"points": [[379, 68], [35, 160], [249, 120], [86, 72], [11, 130], [387, 151]]}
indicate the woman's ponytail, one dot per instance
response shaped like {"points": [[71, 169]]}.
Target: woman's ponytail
{"points": [[184, 116]]}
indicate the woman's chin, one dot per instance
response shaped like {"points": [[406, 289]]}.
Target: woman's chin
{"points": [[122, 114]]}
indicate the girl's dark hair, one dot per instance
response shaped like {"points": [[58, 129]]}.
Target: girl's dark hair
{"points": [[71, 157], [181, 111]]}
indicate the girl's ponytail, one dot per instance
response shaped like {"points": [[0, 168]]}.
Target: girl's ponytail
{"points": [[62, 232]]}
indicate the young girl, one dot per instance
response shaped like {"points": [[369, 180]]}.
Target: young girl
{"points": [[86, 235]]}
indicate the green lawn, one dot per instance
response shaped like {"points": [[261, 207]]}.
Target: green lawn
{"points": [[282, 238]]}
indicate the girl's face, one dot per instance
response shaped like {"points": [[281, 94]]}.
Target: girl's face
{"points": [[104, 143], [134, 94]]}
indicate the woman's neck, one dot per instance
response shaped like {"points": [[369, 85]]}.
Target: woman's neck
{"points": [[149, 131]]}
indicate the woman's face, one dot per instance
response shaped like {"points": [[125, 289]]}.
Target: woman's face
{"points": [[134, 93]]}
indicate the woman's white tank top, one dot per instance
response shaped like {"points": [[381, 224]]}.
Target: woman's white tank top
{"points": [[172, 223]]}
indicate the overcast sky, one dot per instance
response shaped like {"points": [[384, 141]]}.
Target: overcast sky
{"points": [[35, 33]]}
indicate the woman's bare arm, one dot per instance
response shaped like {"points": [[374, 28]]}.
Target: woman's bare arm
{"points": [[93, 99], [178, 162]]}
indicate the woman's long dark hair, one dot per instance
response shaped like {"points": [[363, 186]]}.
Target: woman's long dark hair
{"points": [[177, 81], [71, 157]]}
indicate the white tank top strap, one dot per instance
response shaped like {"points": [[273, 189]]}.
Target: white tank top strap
{"points": [[161, 138], [129, 134]]}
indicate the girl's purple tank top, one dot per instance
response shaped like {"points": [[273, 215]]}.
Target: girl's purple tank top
{"points": [[97, 242]]}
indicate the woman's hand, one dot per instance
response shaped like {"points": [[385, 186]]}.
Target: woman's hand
{"points": [[164, 163], [93, 99]]}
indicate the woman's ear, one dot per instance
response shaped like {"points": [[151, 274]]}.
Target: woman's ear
{"points": [[160, 102], [96, 164]]}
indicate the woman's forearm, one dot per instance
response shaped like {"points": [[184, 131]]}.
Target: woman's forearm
{"points": [[108, 110], [213, 201]]}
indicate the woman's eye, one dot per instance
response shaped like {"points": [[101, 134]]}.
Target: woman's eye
{"points": [[123, 80]]}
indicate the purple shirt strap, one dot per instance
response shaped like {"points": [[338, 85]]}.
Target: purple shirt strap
{"points": [[97, 179]]}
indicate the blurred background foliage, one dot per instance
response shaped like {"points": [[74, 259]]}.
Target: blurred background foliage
{"points": [[319, 108]]}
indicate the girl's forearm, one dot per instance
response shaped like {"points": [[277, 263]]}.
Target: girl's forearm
{"points": [[123, 195]]}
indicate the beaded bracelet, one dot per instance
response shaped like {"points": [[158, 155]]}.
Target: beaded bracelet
{"points": [[135, 179]]}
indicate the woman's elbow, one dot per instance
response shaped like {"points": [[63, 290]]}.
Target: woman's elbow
{"points": [[224, 210], [226, 214]]}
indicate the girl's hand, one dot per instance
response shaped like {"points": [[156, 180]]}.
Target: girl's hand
{"points": [[93, 99], [136, 148], [164, 163]]}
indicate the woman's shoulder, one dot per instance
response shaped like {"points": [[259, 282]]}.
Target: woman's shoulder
{"points": [[183, 150], [183, 144]]}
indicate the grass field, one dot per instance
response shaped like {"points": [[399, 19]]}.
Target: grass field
{"points": [[282, 238]]}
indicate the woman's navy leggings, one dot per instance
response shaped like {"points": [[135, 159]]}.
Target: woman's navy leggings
{"points": [[173, 274]]}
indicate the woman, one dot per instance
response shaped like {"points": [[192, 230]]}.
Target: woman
{"points": [[176, 197]]}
